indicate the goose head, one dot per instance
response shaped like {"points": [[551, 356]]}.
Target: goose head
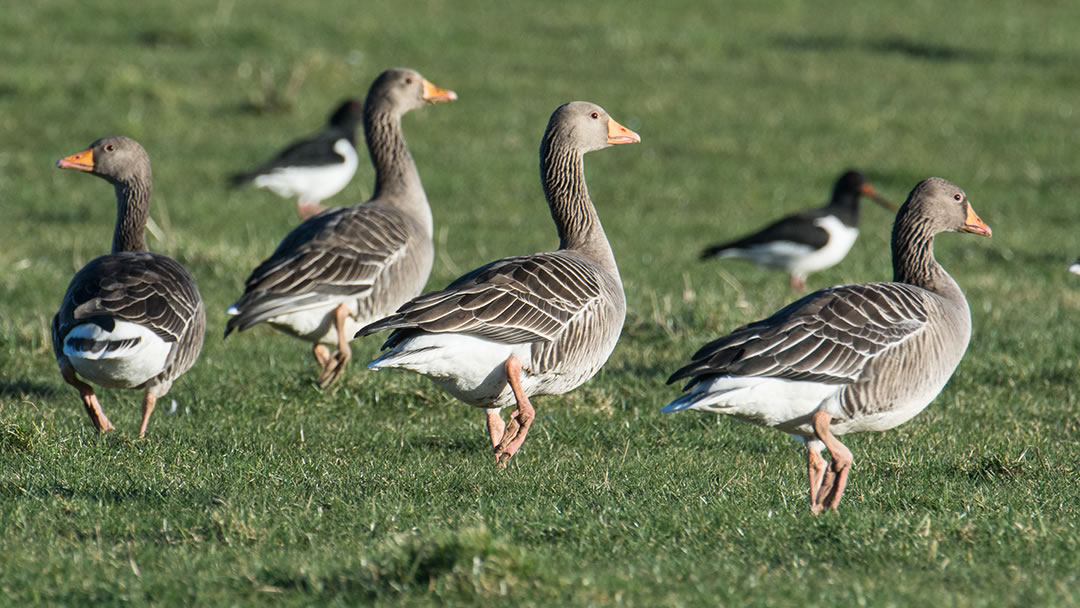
{"points": [[115, 159], [944, 207], [402, 90], [586, 127]]}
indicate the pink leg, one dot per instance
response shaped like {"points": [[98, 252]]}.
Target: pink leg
{"points": [[86, 392], [815, 468], [149, 401], [496, 427], [832, 489], [307, 209], [522, 416], [798, 283], [335, 364], [322, 355]]}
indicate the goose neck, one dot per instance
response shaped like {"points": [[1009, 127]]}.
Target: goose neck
{"points": [[562, 172], [132, 211], [913, 255], [397, 181]]}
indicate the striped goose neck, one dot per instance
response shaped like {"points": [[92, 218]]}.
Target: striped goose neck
{"points": [[913, 254], [562, 172], [132, 211], [397, 181]]}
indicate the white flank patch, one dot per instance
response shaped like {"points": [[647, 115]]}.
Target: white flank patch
{"points": [[316, 323], [313, 184], [125, 367], [773, 402], [469, 368], [777, 254], [800, 259], [841, 238]]}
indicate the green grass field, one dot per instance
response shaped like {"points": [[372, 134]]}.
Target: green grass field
{"points": [[260, 489]]}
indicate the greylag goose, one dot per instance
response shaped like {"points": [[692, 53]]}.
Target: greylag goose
{"points": [[531, 325], [341, 269], [851, 358], [806, 242], [314, 168], [132, 318]]}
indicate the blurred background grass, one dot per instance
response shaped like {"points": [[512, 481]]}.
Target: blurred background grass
{"points": [[261, 488]]}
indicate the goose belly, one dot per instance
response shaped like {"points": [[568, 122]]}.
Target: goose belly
{"points": [[904, 381], [470, 368], [127, 357], [312, 183], [317, 324], [890, 415], [774, 402], [889, 407]]}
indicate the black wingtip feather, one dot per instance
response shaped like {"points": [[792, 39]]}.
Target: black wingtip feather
{"points": [[710, 252], [683, 372], [714, 250], [391, 322], [237, 180]]}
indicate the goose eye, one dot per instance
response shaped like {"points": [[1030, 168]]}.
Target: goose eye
{"points": [[595, 115], [958, 197], [109, 147], [408, 80]]}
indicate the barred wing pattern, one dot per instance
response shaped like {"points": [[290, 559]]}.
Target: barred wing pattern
{"points": [[514, 300], [146, 288], [341, 252], [829, 336]]}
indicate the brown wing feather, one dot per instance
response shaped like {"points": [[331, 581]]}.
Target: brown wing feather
{"points": [[146, 288], [513, 300], [828, 336], [340, 252]]}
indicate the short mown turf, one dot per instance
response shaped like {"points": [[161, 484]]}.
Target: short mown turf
{"points": [[260, 489]]}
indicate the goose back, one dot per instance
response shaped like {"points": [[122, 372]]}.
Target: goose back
{"points": [[367, 255], [874, 341], [554, 301], [144, 288]]}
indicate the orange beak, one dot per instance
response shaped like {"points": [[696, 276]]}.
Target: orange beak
{"points": [[869, 191], [975, 225], [433, 94], [80, 161], [618, 134]]}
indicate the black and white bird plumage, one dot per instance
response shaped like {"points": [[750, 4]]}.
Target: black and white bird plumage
{"points": [[314, 168], [808, 241]]}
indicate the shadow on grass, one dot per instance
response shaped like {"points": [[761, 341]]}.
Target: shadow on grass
{"points": [[472, 563], [131, 494], [896, 45], [445, 443], [22, 387]]}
